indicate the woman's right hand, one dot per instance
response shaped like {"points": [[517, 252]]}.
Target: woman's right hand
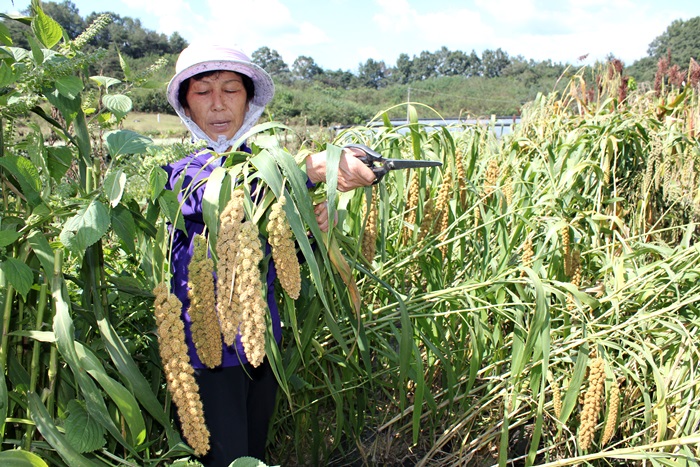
{"points": [[352, 172]]}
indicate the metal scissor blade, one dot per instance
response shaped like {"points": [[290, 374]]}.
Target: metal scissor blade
{"points": [[393, 164]]}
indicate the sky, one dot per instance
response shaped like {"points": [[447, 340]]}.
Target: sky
{"points": [[342, 34]]}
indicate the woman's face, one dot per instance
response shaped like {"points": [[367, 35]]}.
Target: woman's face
{"points": [[217, 103]]}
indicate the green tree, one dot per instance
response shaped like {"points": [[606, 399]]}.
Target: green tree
{"points": [[372, 73], [177, 43], [305, 68], [341, 79], [270, 60], [455, 63], [493, 62], [424, 66], [403, 69]]}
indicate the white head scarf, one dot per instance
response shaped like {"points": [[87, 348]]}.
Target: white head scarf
{"points": [[202, 57]]}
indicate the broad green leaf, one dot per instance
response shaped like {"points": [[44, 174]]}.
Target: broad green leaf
{"points": [[86, 227], [105, 81], [247, 462], [45, 28], [126, 142], [26, 175], [5, 37], [18, 274], [69, 108], [69, 86], [18, 53], [56, 440], [43, 251], [7, 74], [170, 205], [156, 182], [118, 104], [125, 66], [82, 431], [59, 161], [17, 458], [125, 227], [8, 237], [114, 184]]}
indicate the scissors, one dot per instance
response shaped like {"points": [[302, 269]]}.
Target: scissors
{"points": [[381, 166]]}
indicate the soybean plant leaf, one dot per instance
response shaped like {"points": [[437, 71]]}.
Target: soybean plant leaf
{"points": [[125, 227], [86, 227], [118, 104], [45, 28], [17, 458], [82, 431], [18, 274], [48, 430], [5, 38], [26, 175], [8, 237], [114, 186], [126, 142], [69, 86], [7, 75]]}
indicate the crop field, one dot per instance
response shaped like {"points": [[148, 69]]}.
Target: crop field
{"points": [[532, 301]]}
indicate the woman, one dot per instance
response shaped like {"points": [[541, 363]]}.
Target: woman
{"points": [[219, 95]]}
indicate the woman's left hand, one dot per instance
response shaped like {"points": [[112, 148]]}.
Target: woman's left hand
{"points": [[321, 211]]}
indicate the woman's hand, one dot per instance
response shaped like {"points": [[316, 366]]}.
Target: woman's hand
{"points": [[352, 172], [321, 211]]}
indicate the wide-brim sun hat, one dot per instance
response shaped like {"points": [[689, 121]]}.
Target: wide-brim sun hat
{"points": [[202, 57]]}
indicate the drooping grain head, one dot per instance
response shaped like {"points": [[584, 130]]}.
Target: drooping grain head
{"points": [[284, 251], [178, 371], [206, 333]]}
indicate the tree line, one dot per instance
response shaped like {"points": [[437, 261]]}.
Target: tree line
{"points": [[443, 79]]}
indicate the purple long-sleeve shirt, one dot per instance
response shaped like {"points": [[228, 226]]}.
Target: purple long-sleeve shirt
{"points": [[192, 170]]}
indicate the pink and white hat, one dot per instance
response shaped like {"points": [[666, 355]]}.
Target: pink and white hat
{"points": [[201, 57]]}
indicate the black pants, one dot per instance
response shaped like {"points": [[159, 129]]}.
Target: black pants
{"points": [[238, 404]]}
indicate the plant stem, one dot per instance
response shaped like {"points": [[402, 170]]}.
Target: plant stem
{"points": [[34, 368], [7, 313]]}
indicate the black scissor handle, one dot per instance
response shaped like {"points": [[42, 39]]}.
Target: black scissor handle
{"points": [[371, 159]]}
